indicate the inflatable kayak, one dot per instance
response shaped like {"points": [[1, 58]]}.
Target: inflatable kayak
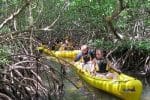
{"points": [[124, 87]]}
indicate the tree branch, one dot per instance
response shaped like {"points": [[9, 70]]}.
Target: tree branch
{"points": [[116, 12], [12, 16], [48, 27]]}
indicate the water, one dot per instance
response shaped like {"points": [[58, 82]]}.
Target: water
{"points": [[146, 93], [86, 92]]}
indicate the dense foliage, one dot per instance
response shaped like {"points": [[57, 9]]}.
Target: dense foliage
{"points": [[121, 27]]}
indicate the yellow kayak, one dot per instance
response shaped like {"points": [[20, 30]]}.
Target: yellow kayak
{"points": [[61, 54], [124, 87]]}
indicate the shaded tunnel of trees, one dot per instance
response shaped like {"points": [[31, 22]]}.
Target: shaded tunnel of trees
{"points": [[121, 27]]}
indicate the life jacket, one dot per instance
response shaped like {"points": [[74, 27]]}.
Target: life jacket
{"points": [[102, 66], [88, 56]]}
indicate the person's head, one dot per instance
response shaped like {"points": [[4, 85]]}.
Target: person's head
{"points": [[66, 41], [84, 49], [99, 54]]}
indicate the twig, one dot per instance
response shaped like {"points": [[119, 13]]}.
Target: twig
{"points": [[111, 52], [146, 65], [12, 16], [48, 27], [4, 96], [27, 61]]}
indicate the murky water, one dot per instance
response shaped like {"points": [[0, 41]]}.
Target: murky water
{"points": [[146, 93], [86, 92]]}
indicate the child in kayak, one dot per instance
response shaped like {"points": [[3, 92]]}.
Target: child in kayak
{"points": [[102, 66]]}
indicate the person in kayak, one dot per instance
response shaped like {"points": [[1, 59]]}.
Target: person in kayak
{"points": [[86, 54], [66, 45], [102, 66]]}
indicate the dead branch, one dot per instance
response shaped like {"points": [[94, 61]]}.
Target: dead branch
{"points": [[48, 27], [4, 97], [27, 61], [37, 77]]}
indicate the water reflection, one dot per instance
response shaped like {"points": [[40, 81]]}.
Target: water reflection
{"points": [[146, 88], [86, 92]]}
